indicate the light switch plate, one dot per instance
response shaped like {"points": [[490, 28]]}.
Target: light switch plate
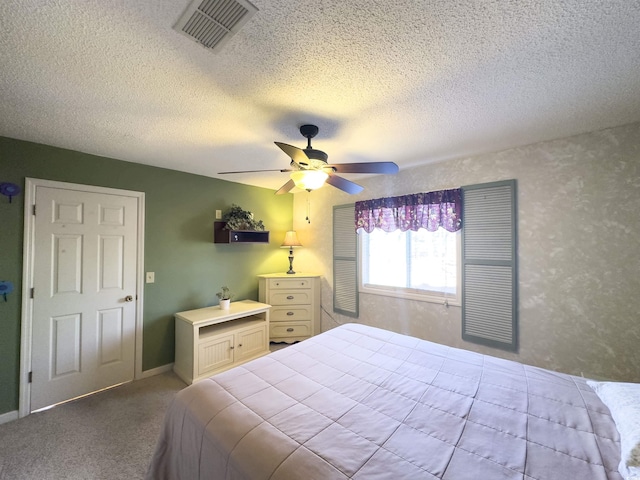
{"points": [[151, 277], [218, 214]]}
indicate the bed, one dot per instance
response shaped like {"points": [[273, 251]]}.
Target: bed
{"points": [[365, 403]]}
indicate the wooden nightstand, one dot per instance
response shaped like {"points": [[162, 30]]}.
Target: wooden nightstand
{"points": [[295, 301]]}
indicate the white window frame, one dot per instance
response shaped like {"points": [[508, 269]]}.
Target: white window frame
{"points": [[409, 293]]}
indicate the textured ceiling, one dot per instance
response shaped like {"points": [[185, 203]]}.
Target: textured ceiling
{"points": [[407, 81]]}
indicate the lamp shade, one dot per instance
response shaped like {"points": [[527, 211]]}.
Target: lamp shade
{"points": [[309, 179], [291, 240]]}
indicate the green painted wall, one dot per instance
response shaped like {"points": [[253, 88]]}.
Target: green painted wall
{"points": [[179, 246]]}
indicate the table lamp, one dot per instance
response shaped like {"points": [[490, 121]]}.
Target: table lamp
{"points": [[291, 241]]}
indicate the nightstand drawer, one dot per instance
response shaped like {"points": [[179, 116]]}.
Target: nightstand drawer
{"points": [[290, 314], [290, 298], [290, 329], [289, 283]]}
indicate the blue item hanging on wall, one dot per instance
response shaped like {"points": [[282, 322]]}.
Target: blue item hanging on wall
{"points": [[5, 287], [10, 190]]}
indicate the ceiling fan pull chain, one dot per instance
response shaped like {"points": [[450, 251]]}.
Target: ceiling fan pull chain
{"points": [[308, 207]]}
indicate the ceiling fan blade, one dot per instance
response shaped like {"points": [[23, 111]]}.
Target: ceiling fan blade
{"points": [[344, 184], [286, 188], [366, 167], [296, 154], [254, 171]]}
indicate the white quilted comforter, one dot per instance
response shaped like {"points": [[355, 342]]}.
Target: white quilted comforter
{"points": [[364, 403]]}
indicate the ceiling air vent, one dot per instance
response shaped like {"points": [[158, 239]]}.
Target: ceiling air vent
{"points": [[212, 23]]}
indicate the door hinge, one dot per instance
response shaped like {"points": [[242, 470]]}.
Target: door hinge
{"points": [[33, 292], [34, 209], [30, 377]]}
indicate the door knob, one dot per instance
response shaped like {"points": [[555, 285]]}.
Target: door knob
{"points": [[128, 298]]}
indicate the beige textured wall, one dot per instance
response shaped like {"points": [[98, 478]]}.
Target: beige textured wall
{"points": [[578, 251]]}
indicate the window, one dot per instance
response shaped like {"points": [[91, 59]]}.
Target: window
{"points": [[432, 260], [420, 265]]}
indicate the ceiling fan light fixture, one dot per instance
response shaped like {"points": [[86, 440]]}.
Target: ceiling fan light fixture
{"points": [[309, 179]]}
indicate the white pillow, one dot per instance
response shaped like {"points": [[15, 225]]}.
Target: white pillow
{"points": [[623, 400]]}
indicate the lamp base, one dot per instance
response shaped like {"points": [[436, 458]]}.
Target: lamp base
{"points": [[290, 272]]}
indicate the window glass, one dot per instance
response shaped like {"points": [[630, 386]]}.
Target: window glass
{"points": [[421, 265]]}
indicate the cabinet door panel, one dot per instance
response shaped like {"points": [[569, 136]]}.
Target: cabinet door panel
{"points": [[251, 342], [215, 354]]}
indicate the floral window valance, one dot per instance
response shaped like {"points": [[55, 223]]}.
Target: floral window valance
{"points": [[429, 210]]}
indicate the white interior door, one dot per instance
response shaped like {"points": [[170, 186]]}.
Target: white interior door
{"points": [[84, 301]]}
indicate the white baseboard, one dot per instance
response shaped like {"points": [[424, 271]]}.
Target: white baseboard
{"points": [[8, 417], [156, 371]]}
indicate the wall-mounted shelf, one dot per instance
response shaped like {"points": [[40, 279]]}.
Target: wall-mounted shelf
{"points": [[222, 235]]}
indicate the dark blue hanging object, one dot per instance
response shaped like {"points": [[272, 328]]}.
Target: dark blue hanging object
{"points": [[5, 288], [10, 190]]}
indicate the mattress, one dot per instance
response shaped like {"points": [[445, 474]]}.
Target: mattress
{"points": [[365, 403]]}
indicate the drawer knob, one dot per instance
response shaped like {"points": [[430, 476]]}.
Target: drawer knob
{"points": [[289, 313], [289, 329], [290, 297], [231, 347], [240, 345]]}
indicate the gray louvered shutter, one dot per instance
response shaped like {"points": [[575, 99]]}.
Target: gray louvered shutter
{"points": [[489, 266], [345, 261]]}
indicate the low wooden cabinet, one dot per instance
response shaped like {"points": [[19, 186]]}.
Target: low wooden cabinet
{"points": [[210, 340], [295, 301]]}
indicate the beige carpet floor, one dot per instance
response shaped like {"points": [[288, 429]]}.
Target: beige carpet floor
{"points": [[109, 435]]}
